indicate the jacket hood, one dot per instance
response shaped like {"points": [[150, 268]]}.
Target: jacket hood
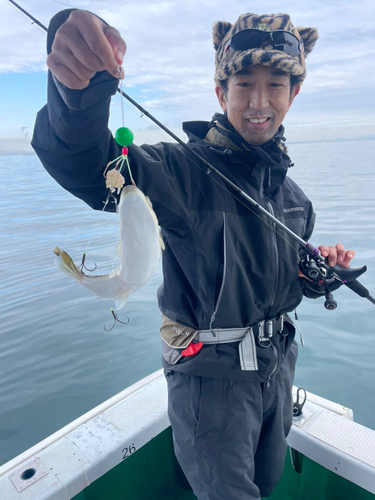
{"points": [[269, 161]]}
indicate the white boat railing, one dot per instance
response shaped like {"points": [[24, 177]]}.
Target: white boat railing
{"points": [[72, 458]]}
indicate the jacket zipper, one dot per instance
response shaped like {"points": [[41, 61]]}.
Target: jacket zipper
{"points": [[270, 209], [277, 258], [226, 151], [222, 282]]}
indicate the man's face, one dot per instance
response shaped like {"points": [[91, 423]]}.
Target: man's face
{"points": [[256, 102]]}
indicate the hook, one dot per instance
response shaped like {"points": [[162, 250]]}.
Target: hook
{"points": [[116, 320], [112, 197], [82, 264]]}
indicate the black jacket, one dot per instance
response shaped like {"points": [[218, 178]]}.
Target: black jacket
{"points": [[224, 264]]}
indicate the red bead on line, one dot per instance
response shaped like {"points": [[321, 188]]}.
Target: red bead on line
{"points": [[125, 151]]}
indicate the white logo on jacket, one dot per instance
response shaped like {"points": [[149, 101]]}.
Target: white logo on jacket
{"points": [[294, 209], [179, 331]]}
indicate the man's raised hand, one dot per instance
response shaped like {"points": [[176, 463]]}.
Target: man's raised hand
{"points": [[84, 45]]}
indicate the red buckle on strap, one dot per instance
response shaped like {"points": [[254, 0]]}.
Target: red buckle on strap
{"points": [[192, 349]]}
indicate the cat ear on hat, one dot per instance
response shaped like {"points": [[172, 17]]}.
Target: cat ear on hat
{"points": [[219, 30], [309, 37]]}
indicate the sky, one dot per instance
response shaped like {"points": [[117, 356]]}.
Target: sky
{"points": [[169, 65]]}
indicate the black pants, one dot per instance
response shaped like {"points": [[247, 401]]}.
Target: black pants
{"points": [[229, 435]]}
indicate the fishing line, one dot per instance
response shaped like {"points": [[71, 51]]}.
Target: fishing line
{"points": [[149, 122], [117, 238], [82, 265], [67, 4], [124, 137], [120, 70], [25, 13], [100, 216]]}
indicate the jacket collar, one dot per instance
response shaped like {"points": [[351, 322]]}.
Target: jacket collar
{"points": [[270, 157]]}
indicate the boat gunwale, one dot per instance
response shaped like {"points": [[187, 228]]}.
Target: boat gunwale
{"points": [[53, 438]]}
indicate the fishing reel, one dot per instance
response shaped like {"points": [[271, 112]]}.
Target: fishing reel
{"points": [[326, 277]]}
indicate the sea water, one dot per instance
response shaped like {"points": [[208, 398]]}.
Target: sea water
{"points": [[57, 361]]}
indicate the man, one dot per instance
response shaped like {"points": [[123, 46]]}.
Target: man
{"points": [[229, 276]]}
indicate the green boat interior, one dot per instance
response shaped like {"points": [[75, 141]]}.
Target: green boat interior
{"points": [[152, 473]]}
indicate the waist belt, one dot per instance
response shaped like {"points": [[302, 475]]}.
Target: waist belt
{"points": [[177, 337], [222, 335], [264, 331], [247, 347]]}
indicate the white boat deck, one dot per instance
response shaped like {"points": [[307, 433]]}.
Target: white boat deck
{"points": [[88, 447]]}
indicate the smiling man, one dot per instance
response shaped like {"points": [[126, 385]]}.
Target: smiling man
{"points": [[256, 100], [229, 279]]}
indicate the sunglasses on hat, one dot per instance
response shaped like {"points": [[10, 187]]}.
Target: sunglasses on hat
{"points": [[253, 38]]}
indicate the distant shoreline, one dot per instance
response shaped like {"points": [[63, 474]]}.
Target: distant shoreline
{"points": [[369, 138], [17, 153]]}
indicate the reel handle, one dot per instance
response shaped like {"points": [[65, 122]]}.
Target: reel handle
{"points": [[330, 303]]}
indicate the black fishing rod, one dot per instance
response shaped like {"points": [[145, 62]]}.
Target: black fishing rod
{"points": [[312, 263]]}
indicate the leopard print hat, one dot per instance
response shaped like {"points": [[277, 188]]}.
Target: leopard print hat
{"points": [[230, 62]]}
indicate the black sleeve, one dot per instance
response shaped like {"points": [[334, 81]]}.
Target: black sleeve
{"points": [[72, 139], [71, 135]]}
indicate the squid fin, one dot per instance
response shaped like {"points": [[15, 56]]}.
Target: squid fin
{"points": [[119, 303]]}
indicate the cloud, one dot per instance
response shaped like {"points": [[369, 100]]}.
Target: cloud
{"points": [[169, 63]]}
